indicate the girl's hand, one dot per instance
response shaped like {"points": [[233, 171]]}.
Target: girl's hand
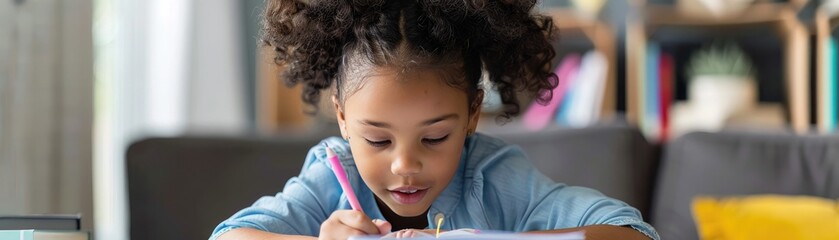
{"points": [[345, 223], [412, 233]]}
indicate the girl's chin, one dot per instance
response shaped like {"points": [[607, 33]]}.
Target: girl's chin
{"points": [[412, 210]]}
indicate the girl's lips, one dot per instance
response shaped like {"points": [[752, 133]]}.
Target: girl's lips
{"points": [[408, 195]]}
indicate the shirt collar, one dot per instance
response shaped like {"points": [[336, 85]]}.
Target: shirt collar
{"points": [[341, 148], [449, 199]]}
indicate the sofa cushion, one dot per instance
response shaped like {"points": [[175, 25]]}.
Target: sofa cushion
{"points": [[767, 217], [614, 159], [732, 164]]}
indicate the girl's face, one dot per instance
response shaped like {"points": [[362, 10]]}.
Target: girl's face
{"points": [[406, 136]]}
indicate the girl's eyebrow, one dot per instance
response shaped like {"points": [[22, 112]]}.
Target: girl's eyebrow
{"points": [[374, 123], [440, 118], [424, 123]]}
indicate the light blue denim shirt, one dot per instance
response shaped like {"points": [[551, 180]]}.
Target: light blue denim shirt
{"points": [[495, 188]]}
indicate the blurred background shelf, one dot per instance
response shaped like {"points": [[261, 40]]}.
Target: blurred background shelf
{"points": [[769, 32], [757, 13], [777, 34], [772, 32]]}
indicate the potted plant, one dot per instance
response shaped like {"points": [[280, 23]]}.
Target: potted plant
{"points": [[721, 83]]}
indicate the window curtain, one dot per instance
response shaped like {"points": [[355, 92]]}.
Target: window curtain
{"points": [[46, 107]]}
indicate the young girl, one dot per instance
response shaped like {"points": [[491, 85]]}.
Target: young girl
{"points": [[407, 98]]}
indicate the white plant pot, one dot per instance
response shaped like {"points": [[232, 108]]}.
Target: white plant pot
{"points": [[588, 8], [713, 8], [715, 98]]}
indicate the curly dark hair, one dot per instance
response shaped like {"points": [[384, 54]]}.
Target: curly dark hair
{"points": [[321, 41]]}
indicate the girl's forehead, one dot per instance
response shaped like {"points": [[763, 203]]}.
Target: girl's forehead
{"points": [[376, 79], [418, 84], [414, 96]]}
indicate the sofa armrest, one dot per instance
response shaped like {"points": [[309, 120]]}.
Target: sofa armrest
{"points": [[729, 164], [182, 187]]}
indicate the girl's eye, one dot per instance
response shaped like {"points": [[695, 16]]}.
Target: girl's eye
{"points": [[378, 143], [435, 141]]}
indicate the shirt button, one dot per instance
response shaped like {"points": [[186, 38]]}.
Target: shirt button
{"points": [[437, 218]]}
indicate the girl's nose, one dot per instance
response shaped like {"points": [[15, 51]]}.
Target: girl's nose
{"points": [[405, 164]]}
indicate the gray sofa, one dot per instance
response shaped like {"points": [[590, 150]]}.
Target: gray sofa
{"points": [[731, 164], [180, 188]]}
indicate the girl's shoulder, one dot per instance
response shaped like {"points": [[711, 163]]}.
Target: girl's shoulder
{"points": [[483, 152], [495, 164]]}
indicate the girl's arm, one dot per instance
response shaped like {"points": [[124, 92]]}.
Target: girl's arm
{"points": [[596, 232], [340, 225], [593, 232], [250, 233]]}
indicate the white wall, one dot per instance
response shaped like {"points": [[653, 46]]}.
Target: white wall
{"points": [[215, 93]]}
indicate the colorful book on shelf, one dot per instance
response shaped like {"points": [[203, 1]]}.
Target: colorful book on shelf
{"points": [[651, 92], [832, 85], [584, 108], [563, 110], [539, 116], [31, 234], [637, 88], [599, 73], [665, 76]]}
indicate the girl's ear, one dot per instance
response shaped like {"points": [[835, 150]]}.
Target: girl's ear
{"points": [[339, 115], [476, 111]]}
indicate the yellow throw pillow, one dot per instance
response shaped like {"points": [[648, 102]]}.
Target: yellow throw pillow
{"points": [[766, 217]]}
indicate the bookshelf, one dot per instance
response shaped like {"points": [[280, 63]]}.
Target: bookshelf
{"points": [[577, 33], [826, 89], [780, 18], [280, 107], [601, 35]]}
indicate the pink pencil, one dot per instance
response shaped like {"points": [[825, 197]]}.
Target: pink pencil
{"points": [[342, 178]]}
